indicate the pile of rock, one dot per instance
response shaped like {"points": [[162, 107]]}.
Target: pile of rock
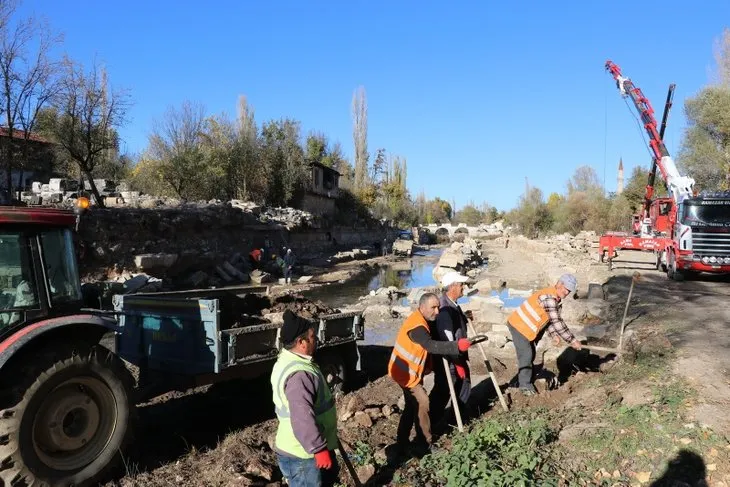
{"points": [[582, 242], [463, 256]]}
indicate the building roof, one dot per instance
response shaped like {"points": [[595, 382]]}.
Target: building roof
{"points": [[326, 168], [621, 164], [20, 134]]}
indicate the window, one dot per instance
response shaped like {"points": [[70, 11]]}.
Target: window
{"points": [[58, 256], [18, 289]]}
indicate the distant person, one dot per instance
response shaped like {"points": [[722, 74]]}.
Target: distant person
{"points": [[451, 326], [527, 323], [255, 257], [306, 436], [289, 262], [409, 362]]}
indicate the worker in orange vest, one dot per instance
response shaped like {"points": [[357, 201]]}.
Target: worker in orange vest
{"points": [[410, 361], [526, 324]]}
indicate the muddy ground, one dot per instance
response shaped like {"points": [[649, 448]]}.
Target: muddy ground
{"points": [[656, 417]]}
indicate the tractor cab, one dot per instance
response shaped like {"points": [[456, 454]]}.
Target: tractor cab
{"points": [[39, 275]]}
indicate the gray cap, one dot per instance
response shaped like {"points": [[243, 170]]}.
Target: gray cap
{"points": [[569, 281]]}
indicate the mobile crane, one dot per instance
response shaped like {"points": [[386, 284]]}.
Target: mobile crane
{"points": [[688, 232]]}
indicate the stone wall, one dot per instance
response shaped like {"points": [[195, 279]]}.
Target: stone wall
{"points": [[110, 239], [318, 205]]}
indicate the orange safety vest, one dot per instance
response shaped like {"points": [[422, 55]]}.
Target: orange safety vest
{"points": [[530, 318], [409, 361]]}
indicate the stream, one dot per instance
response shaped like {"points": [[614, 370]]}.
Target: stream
{"points": [[404, 274]]}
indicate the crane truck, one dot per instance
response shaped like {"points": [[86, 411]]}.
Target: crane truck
{"points": [[688, 232], [71, 376]]}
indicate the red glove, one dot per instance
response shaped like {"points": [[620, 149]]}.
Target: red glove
{"points": [[460, 371], [323, 459], [463, 344]]}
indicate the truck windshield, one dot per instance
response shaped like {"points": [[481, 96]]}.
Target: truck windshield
{"points": [[18, 291], [60, 262], [712, 214]]}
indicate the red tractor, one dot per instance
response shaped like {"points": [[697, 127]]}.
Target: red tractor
{"points": [[65, 397]]}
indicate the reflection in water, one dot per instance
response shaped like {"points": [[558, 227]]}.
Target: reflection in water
{"points": [[417, 273]]}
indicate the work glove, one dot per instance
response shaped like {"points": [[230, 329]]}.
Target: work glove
{"points": [[460, 371], [463, 344], [323, 459]]}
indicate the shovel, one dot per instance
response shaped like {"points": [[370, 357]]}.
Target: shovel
{"points": [[478, 339], [348, 464]]}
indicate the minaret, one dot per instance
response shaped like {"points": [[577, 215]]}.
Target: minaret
{"points": [[620, 182]]}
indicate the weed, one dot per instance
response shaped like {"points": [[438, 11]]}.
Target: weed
{"points": [[363, 454], [511, 451]]}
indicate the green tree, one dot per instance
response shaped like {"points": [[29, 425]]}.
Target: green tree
{"points": [[283, 157], [316, 148], [635, 190], [470, 215], [531, 215], [705, 151]]}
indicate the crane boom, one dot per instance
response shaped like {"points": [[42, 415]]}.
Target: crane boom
{"points": [[680, 186]]}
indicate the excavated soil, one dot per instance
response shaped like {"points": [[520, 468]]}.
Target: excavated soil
{"points": [[223, 438]]}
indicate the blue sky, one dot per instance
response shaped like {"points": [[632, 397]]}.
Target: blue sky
{"points": [[476, 95]]}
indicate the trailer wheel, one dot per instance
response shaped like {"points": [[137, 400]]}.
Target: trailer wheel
{"points": [[71, 423]]}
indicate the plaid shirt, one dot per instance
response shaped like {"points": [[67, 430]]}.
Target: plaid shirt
{"points": [[556, 326]]}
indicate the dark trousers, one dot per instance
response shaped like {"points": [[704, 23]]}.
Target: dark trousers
{"points": [[525, 350], [303, 472], [440, 396], [415, 413]]}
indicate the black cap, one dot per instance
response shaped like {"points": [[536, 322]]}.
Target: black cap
{"points": [[293, 326]]}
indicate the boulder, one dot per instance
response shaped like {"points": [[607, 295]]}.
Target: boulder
{"points": [[154, 261]]}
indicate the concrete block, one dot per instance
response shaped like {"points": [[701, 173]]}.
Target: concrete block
{"points": [[154, 261]]}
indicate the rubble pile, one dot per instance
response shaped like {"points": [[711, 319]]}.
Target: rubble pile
{"points": [[460, 256], [582, 242], [301, 306]]}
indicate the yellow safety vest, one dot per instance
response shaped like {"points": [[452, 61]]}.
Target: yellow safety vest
{"points": [[324, 404]]}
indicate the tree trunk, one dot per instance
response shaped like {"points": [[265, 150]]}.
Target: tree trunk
{"points": [[94, 189]]}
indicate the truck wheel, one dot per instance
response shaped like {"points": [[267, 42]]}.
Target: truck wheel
{"points": [[672, 271], [72, 422]]}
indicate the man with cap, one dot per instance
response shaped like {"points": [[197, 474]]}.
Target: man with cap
{"points": [[307, 433], [410, 362], [450, 326], [528, 322]]}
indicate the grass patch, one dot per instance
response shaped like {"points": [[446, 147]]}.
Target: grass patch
{"points": [[611, 443], [511, 450]]}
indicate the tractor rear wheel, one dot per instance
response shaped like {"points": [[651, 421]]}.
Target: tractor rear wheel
{"points": [[71, 423]]}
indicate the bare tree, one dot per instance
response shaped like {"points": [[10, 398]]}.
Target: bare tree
{"points": [[28, 80], [722, 58], [176, 143], [360, 137], [88, 112]]}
